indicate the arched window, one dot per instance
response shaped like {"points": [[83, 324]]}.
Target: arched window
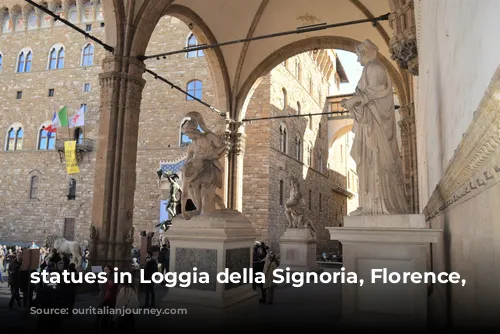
{"points": [[53, 59], [299, 111], [298, 71], [24, 61], [285, 98], [319, 161], [46, 140], [78, 136], [281, 192], [194, 87], [56, 60], [1, 62], [310, 122], [88, 55], [319, 130], [298, 148], [34, 186], [309, 155], [283, 138], [14, 139], [192, 42]]}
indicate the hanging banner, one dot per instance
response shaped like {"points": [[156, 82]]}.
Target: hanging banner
{"points": [[70, 155]]}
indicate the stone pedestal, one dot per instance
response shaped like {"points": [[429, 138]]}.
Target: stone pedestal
{"points": [[212, 243], [298, 250], [399, 243]]}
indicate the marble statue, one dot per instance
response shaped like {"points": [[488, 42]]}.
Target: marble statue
{"points": [[174, 201], [65, 246], [295, 208], [375, 148], [202, 171]]}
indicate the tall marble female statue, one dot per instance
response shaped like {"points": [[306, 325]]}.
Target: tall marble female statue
{"points": [[375, 148]]}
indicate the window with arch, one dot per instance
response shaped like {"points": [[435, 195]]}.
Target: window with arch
{"points": [[310, 122], [195, 88], [283, 138], [285, 98], [319, 130], [78, 135], [309, 155], [1, 62], [297, 68], [34, 181], [15, 139], [46, 140], [281, 192], [298, 148], [299, 111], [56, 58], [192, 42], [88, 55], [24, 61], [319, 161]]}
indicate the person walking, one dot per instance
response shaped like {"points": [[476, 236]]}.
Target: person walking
{"points": [[150, 268]]}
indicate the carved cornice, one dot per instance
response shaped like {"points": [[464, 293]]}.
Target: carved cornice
{"points": [[476, 163]]}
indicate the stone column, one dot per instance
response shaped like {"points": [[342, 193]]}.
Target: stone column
{"points": [[408, 143], [115, 175], [235, 162], [26, 16]]}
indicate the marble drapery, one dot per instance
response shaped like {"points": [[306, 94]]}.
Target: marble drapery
{"points": [[375, 148]]}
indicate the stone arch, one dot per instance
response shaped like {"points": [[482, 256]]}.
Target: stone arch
{"points": [[339, 133], [114, 18], [308, 44], [146, 23]]}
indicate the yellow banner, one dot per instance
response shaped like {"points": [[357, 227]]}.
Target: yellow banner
{"points": [[70, 154]]}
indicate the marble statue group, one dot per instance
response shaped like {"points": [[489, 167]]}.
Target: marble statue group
{"points": [[202, 171]]}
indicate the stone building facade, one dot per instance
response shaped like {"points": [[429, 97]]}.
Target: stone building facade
{"points": [[34, 187], [297, 145]]}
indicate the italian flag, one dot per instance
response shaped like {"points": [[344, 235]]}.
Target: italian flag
{"points": [[60, 119]]}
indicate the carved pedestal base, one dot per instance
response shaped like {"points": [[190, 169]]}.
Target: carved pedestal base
{"points": [[398, 243], [298, 250], [212, 243]]}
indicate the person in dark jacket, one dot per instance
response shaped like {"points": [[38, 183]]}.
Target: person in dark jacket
{"points": [[258, 266], [15, 279], [150, 268]]}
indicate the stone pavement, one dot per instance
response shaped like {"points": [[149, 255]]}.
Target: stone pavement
{"points": [[317, 306]]}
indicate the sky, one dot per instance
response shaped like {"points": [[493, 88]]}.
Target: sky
{"points": [[352, 68]]}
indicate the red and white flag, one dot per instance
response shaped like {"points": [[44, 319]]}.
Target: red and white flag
{"points": [[78, 119]]}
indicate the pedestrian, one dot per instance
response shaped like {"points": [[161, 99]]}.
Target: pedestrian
{"points": [[269, 286], [150, 268]]}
